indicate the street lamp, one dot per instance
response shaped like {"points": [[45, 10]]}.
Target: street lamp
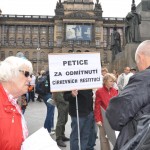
{"points": [[38, 56]]}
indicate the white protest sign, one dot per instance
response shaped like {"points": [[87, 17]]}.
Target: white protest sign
{"points": [[74, 71]]}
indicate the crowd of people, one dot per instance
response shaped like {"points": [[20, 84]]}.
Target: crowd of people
{"points": [[124, 97]]}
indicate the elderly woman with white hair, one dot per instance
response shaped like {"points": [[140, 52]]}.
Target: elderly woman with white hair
{"points": [[14, 79]]}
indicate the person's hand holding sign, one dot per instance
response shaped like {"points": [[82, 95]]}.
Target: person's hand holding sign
{"points": [[99, 123], [74, 93]]}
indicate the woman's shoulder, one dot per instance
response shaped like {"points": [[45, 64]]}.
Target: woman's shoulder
{"points": [[100, 89]]}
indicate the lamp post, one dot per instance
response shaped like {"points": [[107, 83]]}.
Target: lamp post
{"points": [[38, 56]]}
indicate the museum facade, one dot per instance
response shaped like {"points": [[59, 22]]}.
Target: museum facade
{"points": [[78, 26]]}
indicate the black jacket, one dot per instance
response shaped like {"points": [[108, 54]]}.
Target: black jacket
{"points": [[133, 101], [85, 102]]}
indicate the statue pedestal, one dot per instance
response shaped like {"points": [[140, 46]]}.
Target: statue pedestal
{"points": [[125, 58], [130, 50]]}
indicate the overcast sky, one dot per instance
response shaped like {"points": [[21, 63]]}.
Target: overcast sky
{"points": [[111, 8]]}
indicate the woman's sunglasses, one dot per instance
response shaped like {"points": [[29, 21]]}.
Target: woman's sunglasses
{"points": [[26, 73]]}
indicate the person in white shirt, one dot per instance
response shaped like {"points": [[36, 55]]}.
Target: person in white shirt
{"points": [[124, 78]]}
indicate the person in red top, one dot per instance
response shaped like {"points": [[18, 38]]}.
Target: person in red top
{"points": [[14, 80], [103, 96]]}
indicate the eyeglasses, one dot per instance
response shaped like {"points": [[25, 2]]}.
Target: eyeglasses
{"points": [[26, 73]]}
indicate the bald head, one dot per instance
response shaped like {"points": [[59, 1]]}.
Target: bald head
{"points": [[142, 55]]}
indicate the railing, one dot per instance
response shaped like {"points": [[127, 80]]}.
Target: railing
{"points": [[49, 17], [113, 18], [26, 16]]}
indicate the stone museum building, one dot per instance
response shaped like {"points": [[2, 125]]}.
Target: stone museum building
{"points": [[78, 26]]}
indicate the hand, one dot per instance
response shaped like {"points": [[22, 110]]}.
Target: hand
{"points": [[99, 123], [74, 93]]}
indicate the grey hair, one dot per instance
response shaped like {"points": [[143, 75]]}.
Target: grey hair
{"points": [[9, 68], [143, 48]]}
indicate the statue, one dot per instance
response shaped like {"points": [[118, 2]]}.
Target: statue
{"points": [[59, 4], [132, 21], [59, 11], [115, 42], [98, 5]]}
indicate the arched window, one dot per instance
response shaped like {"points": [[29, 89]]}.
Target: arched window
{"points": [[11, 40], [27, 41], [2, 55], [34, 55], [43, 30], [43, 56], [87, 51], [43, 42], [35, 42], [19, 41], [70, 51], [26, 54], [59, 42], [10, 53], [12, 29], [78, 51]]}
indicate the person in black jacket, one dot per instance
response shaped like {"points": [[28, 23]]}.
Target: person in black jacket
{"points": [[125, 112], [85, 108]]}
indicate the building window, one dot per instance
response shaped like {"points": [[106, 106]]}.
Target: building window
{"points": [[2, 55], [11, 41], [70, 51], [27, 30], [27, 41], [51, 30], [51, 43], [59, 28], [19, 41], [34, 55], [105, 44], [12, 29], [87, 42], [97, 43], [51, 33], [4, 40], [35, 42], [26, 54], [10, 53], [43, 55], [43, 42], [43, 30], [70, 42], [20, 30], [35, 30], [105, 37], [97, 29], [78, 42], [59, 41], [78, 51]]}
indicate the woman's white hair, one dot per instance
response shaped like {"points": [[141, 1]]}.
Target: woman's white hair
{"points": [[9, 68]]}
